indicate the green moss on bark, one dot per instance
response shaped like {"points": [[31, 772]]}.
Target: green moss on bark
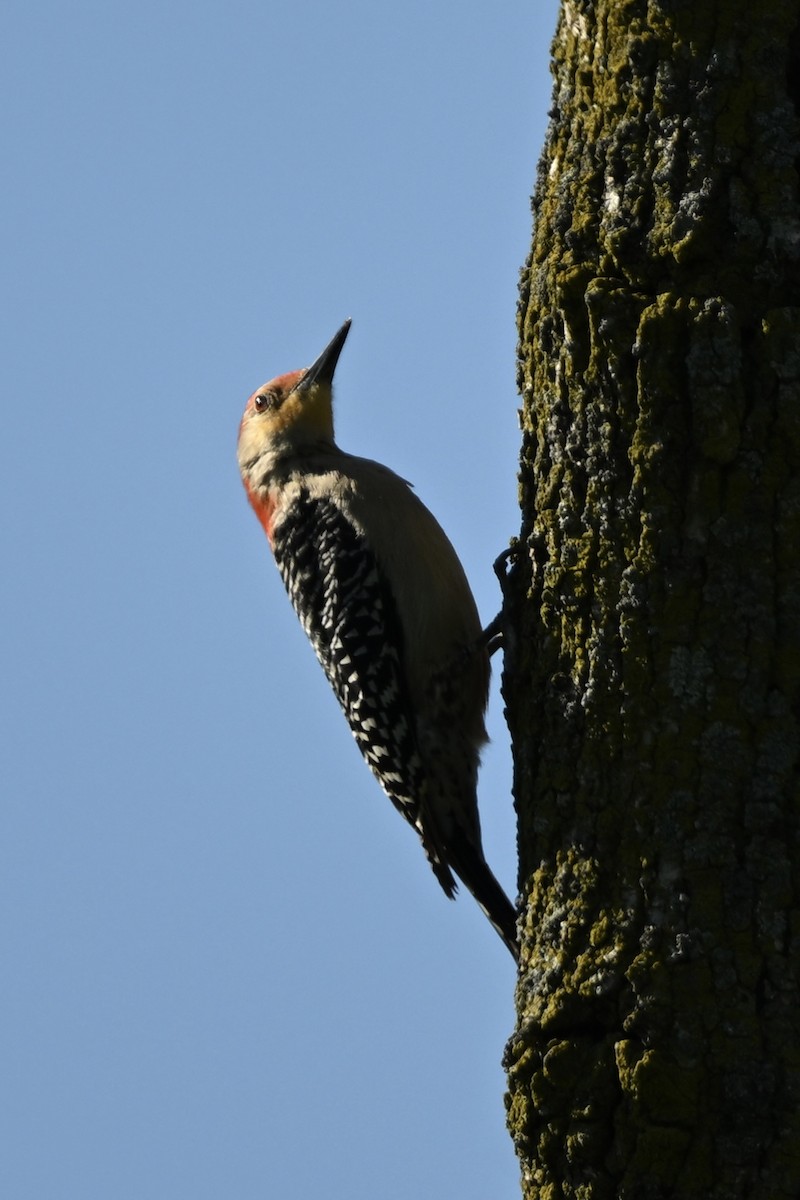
{"points": [[653, 689]]}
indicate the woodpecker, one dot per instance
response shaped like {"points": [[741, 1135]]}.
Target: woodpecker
{"points": [[386, 605]]}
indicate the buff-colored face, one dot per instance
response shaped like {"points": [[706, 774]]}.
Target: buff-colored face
{"points": [[292, 410], [284, 411]]}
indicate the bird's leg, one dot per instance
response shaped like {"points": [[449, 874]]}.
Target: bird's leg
{"points": [[493, 635]]}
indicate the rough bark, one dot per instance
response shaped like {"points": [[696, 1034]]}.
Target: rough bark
{"points": [[653, 684]]}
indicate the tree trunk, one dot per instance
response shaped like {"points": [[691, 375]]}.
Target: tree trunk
{"points": [[652, 676]]}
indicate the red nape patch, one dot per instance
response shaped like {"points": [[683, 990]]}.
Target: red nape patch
{"points": [[263, 507]]}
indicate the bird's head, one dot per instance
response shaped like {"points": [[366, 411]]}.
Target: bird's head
{"points": [[292, 411]]}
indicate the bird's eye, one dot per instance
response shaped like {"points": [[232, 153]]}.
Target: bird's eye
{"points": [[263, 401]]}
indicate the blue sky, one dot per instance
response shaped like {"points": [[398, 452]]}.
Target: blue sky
{"points": [[227, 968]]}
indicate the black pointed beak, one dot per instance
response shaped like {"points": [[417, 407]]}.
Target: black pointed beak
{"points": [[321, 371]]}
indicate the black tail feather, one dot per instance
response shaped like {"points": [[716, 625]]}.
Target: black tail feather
{"points": [[476, 875]]}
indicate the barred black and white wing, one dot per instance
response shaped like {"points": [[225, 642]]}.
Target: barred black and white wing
{"points": [[347, 610]]}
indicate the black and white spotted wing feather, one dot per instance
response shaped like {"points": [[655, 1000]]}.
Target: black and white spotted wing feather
{"points": [[338, 591]]}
